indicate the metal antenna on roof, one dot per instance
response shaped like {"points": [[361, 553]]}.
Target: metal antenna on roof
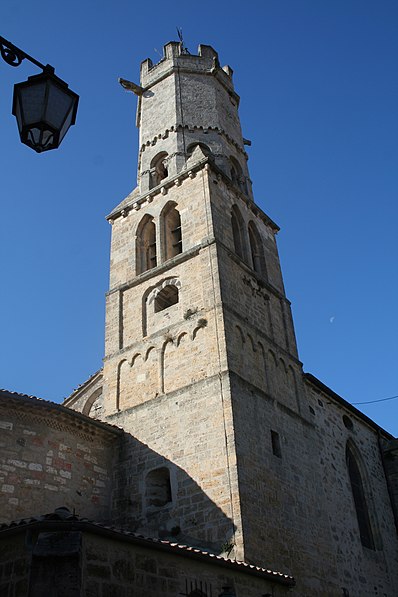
{"points": [[184, 50]]}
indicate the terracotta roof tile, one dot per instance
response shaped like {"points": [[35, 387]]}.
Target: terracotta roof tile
{"points": [[33, 401], [64, 516]]}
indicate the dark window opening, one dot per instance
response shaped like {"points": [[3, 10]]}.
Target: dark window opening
{"points": [[158, 487], [236, 175], [361, 506], [276, 444], [256, 249], [146, 245], [167, 297], [159, 169], [172, 233], [348, 423], [237, 233]]}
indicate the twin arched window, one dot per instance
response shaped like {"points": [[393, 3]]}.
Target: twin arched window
{"points": [[147, 255], [241, 235]]}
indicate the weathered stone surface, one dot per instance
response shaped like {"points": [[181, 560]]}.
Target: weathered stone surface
{"points": [[228, 446]]}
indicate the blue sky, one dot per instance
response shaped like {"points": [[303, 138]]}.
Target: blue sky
{"points": [[318, 85]]}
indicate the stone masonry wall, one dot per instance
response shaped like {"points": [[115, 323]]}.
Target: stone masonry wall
{"points": [[185, 432], [375, 570], [113, 568], [296, 499], [14, 567], [283, 507], [47, 462], [167, 388]]}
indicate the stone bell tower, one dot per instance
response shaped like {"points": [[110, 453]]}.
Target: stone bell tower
{"points": [[201, 362]]}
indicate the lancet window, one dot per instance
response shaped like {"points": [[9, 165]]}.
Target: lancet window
{"points": [[238, 232], [237, 175], [172, 235], [256, 250], [146, 257], [359, 497]]}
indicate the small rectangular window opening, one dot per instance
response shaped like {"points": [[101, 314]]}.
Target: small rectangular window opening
{"points": [[276, 444]]}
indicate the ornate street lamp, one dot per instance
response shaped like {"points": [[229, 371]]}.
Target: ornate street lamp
{"points": [[43, 105]]}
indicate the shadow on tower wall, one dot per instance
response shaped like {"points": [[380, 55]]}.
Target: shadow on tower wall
{"points": [[155, 497]]}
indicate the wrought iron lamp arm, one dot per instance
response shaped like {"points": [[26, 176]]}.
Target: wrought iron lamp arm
{"points": [[14, 56]]}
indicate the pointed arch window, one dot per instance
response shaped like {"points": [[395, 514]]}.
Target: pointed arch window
{"points": [[146, 257], [237, 175], [358, 495], [256, 250], [172, 234], [238, 232]]}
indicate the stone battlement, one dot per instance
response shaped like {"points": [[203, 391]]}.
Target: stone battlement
{"points": [[206, 61]]}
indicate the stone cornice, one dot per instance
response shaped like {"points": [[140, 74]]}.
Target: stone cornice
{"points": [[139, 201], [163, 267], [56, 413], [191, 127], [326, 391]]}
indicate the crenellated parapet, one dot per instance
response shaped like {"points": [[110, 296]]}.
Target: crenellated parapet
{"points": [[187, 101], [174, 57]]}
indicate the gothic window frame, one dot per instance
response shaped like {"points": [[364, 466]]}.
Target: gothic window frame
{"points": [[171, 231], [238, 233], [360, 497], [146, 245], [236, 174], [256, 250]]}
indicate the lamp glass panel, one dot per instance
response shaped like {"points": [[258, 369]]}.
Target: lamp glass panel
{"points": [[59, 104], [18, 115], [31, 99], [66, 126]]}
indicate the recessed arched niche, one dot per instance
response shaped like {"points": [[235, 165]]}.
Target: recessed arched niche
{"points": [[162, 306], [159, 169]]}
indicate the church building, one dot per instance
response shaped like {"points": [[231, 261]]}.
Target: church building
{"points": [[200, 460]]}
